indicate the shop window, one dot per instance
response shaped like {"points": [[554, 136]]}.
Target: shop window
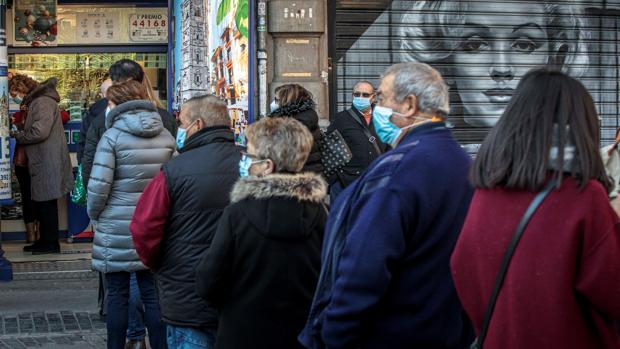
{"points": [[80, 75]]}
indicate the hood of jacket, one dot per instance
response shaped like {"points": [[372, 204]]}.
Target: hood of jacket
{"points": [[139, 118], [282, 206], [301, 111], [46, 88]]}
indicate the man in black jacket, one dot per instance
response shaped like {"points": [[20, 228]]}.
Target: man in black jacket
{"points": [[122, 70], [355, 125], [95, 110], [178, 214]]}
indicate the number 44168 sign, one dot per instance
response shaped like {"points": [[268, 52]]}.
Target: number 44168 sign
{"points": [[148, 27]]}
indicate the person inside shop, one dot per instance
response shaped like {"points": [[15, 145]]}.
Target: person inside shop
{"points": [[178, 213], [129, 155], [122, 70], [95, 110], [356, 127], [264, 261], [293, 100], [44, 166]]}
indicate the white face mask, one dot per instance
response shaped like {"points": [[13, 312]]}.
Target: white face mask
{"points": [[274, 106]]}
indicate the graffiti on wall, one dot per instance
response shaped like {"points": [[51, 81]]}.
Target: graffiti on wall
{"points": [[483, 48]]}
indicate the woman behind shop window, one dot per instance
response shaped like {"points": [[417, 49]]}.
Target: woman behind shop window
{"points": [[130, 153], [562, 287], [43, 165], [295, 101]]}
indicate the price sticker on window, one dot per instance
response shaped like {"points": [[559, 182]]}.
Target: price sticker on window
{"points": [[148, 27]]}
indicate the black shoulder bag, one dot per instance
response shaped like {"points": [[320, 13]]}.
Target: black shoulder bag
{"points": [[540, 197], [372, 139]]}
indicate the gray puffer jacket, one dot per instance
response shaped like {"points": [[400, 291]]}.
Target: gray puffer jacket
{"points": [[129, 155]]}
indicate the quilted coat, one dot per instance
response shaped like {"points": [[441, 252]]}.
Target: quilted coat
{"points": [[129, 155]]}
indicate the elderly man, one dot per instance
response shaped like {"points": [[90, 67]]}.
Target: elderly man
{"points": [[178, 214], [386, 279], [356, 127]]}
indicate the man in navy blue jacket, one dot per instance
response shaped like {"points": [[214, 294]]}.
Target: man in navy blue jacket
{"points": [[385, 279]]}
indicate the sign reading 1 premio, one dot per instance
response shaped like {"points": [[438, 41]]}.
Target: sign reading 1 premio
{"points": [[148, 27]]}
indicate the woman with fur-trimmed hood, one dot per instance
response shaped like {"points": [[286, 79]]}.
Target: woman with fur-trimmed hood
{"points": [[263, 264], [294, 101]]}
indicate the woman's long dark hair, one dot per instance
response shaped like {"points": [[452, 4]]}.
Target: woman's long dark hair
{"points": [[516, 153]]}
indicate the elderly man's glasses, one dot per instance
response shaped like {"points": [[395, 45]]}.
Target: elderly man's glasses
{"points": [[362, 94], [254, 158]]}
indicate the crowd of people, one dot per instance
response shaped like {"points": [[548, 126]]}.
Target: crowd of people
{"points": [[411, 244]]}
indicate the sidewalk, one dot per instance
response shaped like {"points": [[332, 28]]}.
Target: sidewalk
{"points": [[52, 302]]}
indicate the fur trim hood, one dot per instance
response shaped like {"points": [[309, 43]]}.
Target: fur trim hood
{"points": [[303, 187]]}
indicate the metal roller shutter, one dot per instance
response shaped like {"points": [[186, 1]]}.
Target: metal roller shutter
{"points": [[482, 48]]}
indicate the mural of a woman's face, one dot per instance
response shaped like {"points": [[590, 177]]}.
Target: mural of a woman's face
{"points": [[494, 53]]}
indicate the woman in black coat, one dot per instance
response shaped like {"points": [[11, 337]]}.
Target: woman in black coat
{"points": [[264, 261], [296, 102]]}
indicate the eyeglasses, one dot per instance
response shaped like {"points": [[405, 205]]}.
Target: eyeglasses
{"points": [[362, 94], [245, 155]]}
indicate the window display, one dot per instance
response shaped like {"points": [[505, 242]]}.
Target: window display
{"points": [[81, 75]]}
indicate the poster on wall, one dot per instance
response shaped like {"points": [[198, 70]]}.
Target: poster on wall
{"points": [[97, 28], [483, 49], [148, 27], [35, 23]]}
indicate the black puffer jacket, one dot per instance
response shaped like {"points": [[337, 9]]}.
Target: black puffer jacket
{"points": [[304, 113], [199, 182]]}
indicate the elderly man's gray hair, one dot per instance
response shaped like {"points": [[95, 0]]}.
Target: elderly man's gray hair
{"points": [[423, 81], [209, 108]]}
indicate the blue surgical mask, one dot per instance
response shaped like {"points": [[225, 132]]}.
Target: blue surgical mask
{"points": [[182, 135], [244, 166], [388, 132], [274, 106], [245, 163], [18, 99], [361, 103], [107, 111]]}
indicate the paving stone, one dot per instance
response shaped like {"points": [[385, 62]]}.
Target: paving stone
{"points": [[14, 344], [84, 321], [10, 325], [69, 320], [25, 323], [62, 340], [54, 321], [40, 323], [29, 342]]}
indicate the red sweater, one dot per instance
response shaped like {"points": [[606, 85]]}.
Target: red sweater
{"points": [[562, 289]]}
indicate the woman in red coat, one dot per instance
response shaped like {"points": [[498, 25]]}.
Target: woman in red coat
{"points": [[562, 287]]}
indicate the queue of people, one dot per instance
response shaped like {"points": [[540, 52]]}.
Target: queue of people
{"points": [[411, 244]]}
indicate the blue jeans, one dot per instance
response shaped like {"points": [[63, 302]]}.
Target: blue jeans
{"points": [[118, 285], [190, 338], [135, 329]]}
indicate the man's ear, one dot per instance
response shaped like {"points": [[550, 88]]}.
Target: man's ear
{"points": [[410, 106]]}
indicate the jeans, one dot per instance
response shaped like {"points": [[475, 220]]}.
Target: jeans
{"points": [[190, 338], [47, 212], [118, 285], [135, 330]]}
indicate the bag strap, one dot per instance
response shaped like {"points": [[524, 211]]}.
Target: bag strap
{"points": [[540, 197], [372, 139]]}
